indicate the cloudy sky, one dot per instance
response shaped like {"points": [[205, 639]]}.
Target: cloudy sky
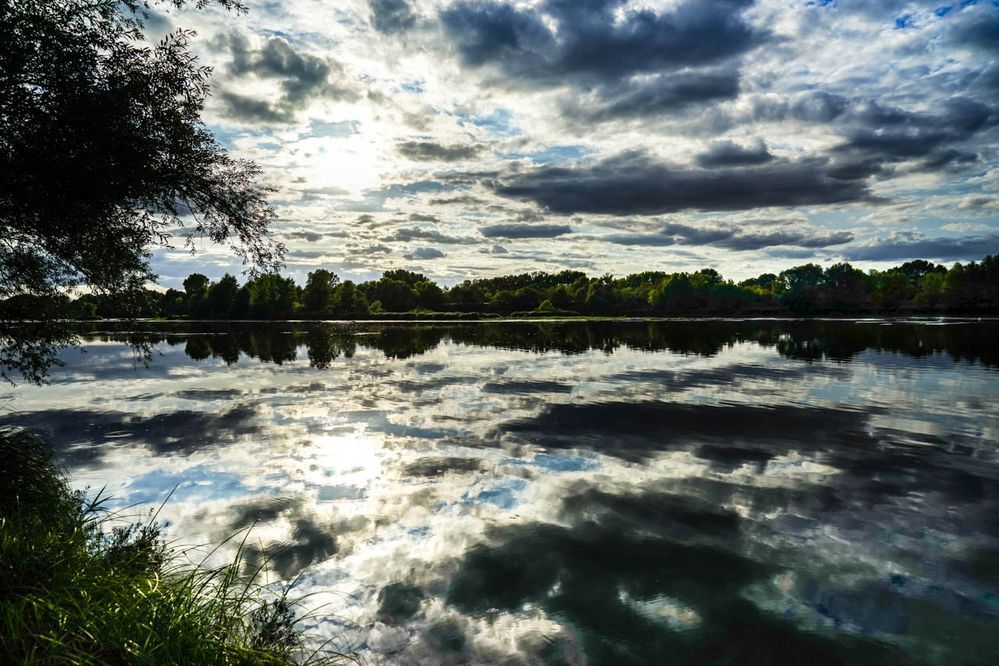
{"points": [[473, 138]]}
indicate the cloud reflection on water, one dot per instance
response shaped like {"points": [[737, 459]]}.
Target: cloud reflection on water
{"points": [[694, 491]]}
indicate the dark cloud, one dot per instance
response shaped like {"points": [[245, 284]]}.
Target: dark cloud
{"points": [[80, 436], [398, 602], [525, 230], [636, 431], [460, 200], [314, 236], [732, 238], [911, 245], [653, 96], [246, 108], [431, 467], [407, 234], [608, 550], [890, 134], [950, 158], [309, 542], [432, 151], [374, 200], [982, 34], [727, 153], [301, 77], [877, 136], [591, 44], [310, 236], [608, 51], [261, 510], [818, 106], [374, 248], [526, 387], [391, 16], [425, 253], [633, 183]]}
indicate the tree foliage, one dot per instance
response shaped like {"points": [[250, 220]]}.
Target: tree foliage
{"points": [[840, 289], [104, 151], [105, 156]]}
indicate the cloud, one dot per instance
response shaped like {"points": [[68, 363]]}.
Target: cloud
{"points": [[912, 245], [634, 183], [301, 78], [981, 34], [509, 230], [607, 50], [391, 16], [604, 116], [247, 108], [407, 234], [651, 96], [593, 42], [374, 248], [727, 153], [310, 236], [892, 134], [818, 106], [425, 253], [458, 200], [733, 238], [433, 151], [636, 431], [967, 227], [330, 190]]}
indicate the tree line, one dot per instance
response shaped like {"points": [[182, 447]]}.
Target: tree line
{"points": [[915, 286], [323, 343]]}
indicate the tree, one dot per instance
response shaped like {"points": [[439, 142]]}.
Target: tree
{"points": [[272, 296], [221, 297], [845, 287], [429, 296], [172, 303], [317, 298], [348, 301], [402, 275], [798, 287], [195, 283], [394, 295], [196, 290], [103, 151], [915, 270]]}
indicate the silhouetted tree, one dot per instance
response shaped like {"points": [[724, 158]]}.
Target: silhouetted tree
{"points": [[317, 297], [221, 297], [348, 301], [103, 150]]}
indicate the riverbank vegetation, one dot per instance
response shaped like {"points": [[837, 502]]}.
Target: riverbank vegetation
{"points": [[915, 286], [78, 587]]}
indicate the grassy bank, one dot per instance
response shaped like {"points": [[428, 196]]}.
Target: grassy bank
{"points": [[76, 590]]}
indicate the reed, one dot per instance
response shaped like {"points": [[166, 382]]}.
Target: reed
{"points": [[77, 586]]}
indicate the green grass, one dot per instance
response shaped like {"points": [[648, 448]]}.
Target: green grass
{"points": [[79, 587]]}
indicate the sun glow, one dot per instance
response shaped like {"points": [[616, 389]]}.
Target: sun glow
{"points": [[353, 459]]}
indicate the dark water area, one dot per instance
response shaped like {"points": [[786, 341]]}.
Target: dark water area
{"points": [[676, 492]]}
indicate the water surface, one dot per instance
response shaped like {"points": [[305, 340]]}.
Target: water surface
{"points": [[571, 492]]}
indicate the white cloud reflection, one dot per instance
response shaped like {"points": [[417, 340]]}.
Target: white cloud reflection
{"points": [[386, 482]]}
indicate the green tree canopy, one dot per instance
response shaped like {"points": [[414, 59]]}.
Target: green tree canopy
{"points": [[317, 297]]}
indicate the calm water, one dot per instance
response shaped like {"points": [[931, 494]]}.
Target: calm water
{"points": [[675, 492]]}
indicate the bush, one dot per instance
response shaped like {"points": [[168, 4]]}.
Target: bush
{"points": [[74, 588]]}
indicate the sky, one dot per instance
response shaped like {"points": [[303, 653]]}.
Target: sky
{"points": [[472, 138]]}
